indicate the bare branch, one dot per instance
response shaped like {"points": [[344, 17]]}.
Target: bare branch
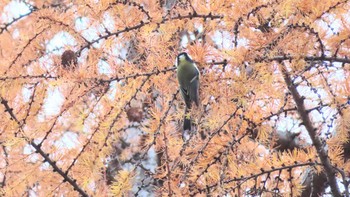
{"points": [[299, 101]]}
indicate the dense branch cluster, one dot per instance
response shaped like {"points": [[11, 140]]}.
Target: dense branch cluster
{"points": [[90, 104]]}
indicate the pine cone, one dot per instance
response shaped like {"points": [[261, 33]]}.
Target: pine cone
{"points": [[69, 60], [135, 114]]}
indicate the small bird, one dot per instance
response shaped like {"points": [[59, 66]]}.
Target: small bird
{"points": [[188, 77]]}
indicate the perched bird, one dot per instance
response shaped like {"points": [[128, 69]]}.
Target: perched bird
{"points": [[188, 77]]}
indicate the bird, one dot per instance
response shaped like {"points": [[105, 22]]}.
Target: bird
{"points": [[188, 77]]}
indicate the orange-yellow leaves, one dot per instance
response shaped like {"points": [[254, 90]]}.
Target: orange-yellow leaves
{"points": [[264, 133], [237, 56], [91, 168], [105, 3], [336, 154], [299, 64], [343, 128], [345, 88], [123, 183], [13, 141], [199, 52]]}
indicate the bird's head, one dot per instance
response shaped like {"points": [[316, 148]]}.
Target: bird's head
{"points": [[181, 57]]}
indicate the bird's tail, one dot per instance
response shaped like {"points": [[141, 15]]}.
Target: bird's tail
{"points": [[187, 120]]}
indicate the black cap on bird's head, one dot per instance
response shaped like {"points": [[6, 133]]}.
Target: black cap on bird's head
{"points": [[183, 56]]}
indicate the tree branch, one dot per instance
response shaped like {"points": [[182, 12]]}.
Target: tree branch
{"points": [[299, 101], [41, 152], [263, 171], [306, 58], [7, 25]]}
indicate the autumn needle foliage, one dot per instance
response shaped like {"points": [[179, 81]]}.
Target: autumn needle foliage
{"points": [[90, 104]]}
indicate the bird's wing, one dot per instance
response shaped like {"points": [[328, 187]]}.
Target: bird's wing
{"points": [[194, 90], [186, 97]]}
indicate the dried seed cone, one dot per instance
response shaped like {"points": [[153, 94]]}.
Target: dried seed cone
{"points": [[69, 60]]}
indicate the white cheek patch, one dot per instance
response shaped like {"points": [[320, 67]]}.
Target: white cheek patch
{"points": [[180, 58]]}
